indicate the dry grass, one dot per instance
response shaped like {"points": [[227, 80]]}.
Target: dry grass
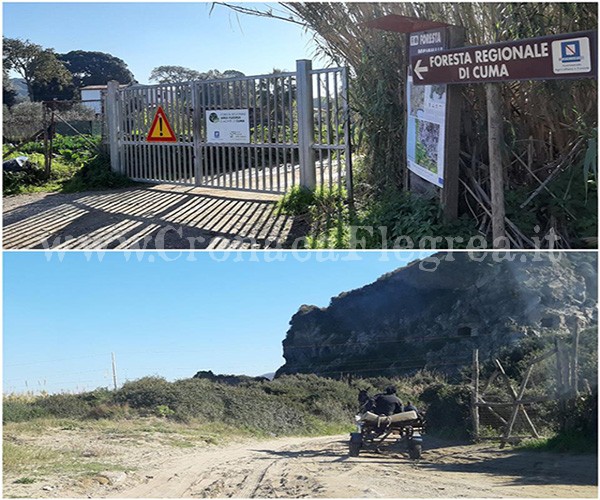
{"points": [[21, 457]]}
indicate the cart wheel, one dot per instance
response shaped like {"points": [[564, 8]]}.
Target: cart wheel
{"points": [[354, 449], [414, 451]]}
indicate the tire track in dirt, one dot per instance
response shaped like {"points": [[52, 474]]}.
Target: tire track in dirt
{"points": [[321, 468]]}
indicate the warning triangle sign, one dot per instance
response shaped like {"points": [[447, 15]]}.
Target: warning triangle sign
{"points": [[161, 130]]}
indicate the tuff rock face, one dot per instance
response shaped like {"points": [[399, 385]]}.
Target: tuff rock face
{"points": [[432, 313]]}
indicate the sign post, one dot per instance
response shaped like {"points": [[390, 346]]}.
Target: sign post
{"points": [[571, 55], [494, 118], [565, 56], [456, 38]]}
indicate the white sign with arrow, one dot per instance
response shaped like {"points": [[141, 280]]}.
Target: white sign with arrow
{"points": [[419, 70]]}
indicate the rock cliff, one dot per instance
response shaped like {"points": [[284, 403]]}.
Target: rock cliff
{"points": [[430, 314]]}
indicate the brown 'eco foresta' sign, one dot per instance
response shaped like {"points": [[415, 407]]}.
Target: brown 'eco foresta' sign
{"points": [[571, 55]]}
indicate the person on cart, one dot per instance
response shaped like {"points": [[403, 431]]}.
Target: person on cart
{"points": [[387, 403]]}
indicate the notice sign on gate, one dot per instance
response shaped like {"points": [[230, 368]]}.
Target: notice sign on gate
{"points": [[426, 123], [571, 55], [160, 130], [228, 126]]}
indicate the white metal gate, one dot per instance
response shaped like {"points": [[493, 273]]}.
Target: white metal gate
{"points": [[299, 125]]}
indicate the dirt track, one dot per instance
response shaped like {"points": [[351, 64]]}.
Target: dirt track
{"points": [[320, 467], [149, 465]]}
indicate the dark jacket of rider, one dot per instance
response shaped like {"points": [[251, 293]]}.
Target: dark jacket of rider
{"points": [[388, 403]]}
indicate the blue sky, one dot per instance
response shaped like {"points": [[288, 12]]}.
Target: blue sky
{"points": [[62, 319], [146, 35]]}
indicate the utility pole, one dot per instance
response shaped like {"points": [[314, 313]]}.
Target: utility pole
{"points": [[114, 369]]}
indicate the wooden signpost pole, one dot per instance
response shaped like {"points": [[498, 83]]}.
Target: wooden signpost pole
{"points": [[449, 193], [495, 137]]}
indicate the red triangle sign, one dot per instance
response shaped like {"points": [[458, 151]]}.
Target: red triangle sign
{"points": [[161, 130]]}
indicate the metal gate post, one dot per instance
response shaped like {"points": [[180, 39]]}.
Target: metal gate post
{"points": [[347, 135], [112, 114], [197, 130], [306, 132]]}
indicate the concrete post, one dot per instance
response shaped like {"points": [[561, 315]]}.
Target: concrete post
{"points": [[306, 133], [112, 115]]}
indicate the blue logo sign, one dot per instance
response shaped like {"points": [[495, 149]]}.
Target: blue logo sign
{"points": [[217, 134], [570, 51]]}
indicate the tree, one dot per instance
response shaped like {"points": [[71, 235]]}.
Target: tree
{"points": [[173, 74], [42, 71], [215, 74], [9, 94], [95, 68]]}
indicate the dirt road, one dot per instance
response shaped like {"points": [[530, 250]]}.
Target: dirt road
{"points": [[320, 467], [157, 460]]}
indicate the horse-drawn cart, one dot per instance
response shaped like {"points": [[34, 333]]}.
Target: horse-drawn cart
{"points": [[373, 429]]}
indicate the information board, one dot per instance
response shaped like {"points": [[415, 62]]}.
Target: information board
{"points": [[426, 113], [227, 126]]}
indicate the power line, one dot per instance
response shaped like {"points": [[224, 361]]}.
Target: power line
{"points": [[56, 360]]}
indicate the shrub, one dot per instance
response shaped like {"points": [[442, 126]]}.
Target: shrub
{"points": [[199, 398], [64, 405], [252, 409], [15, 410], [582, 417], [15, 182], [296, 202], [448, 410], [109, 411], [147, 393], [164, 411], [95, 174]]}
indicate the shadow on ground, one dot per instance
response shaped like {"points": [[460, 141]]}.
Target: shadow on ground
{"points": [[155, 217]]}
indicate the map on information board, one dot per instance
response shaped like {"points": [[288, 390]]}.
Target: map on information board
{"points": [[426, 130]]}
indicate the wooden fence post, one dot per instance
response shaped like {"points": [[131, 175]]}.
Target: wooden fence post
{"points": [[575, 364], [475, 395]]}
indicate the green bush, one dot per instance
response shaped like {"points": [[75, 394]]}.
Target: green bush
{"points": [[109, 411], [198, 398], [64, 405], [15, 182], [448, 410], [21, 411], [96, 174], [406, 215], [77, 165], [164, 411], [147, 393], [296, 202], [253, 409], [582, 417]]}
